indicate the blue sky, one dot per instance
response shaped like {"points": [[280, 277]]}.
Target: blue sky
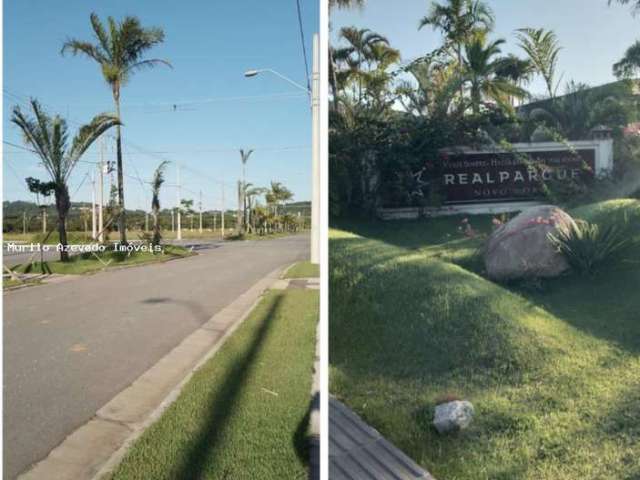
{"points": [[593, 35], [210, 45]]}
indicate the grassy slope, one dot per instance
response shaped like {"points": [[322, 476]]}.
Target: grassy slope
{"points": [[554, 373], [88, 263], [303, 270], [227, 422]]}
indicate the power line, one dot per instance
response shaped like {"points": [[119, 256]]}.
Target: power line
{"points": [[304, 48]]}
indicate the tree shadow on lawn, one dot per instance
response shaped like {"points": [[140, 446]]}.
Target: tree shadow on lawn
{"points": [[414, 234], [606, 305], [201, 451], [395, 316]]}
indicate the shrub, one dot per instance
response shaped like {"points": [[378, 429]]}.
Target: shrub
{"points": [[588, 246]]}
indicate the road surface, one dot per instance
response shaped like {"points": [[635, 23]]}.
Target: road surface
{"points": [[70, 347]]}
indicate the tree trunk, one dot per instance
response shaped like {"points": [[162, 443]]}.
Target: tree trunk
{"points": [[121, 218], [62, 205]]}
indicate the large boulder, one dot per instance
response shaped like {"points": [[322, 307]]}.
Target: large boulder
{"points": [[453, 416], [521, 248]]}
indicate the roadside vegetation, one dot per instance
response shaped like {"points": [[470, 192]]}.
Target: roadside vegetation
{"points": [[303, 270], [244, 414], [90, 263], [552, 367]]}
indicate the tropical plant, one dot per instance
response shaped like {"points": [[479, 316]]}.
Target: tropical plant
{"points": [[574, 114], [277, 195], [244, 158], [485, 74], [48, 136], [358, 53], [635, 4], [156, 183], [346, 3], [589, 246], [119, 51], [542, 48], [459, 21], [629, 65]]}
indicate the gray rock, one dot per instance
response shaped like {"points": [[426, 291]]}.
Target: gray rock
{"points": [[522, 249], [453, 416]]}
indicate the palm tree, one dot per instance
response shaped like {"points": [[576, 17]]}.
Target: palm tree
{"points": [[346, 3], [119, 51], [482, 73], [635, 4], [629, 65], [48, 136], [459, 20], [277, 195], [542, 48], [359, 49], [156, 183], [244, 158]]}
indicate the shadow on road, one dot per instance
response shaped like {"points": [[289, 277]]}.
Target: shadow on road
{"points": [[197, 312]]}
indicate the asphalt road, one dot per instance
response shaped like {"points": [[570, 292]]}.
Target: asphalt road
{"points": [[70, 347]]}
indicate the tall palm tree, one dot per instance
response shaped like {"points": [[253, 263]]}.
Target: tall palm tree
{"points": [[358, 51], [458, 21], [119, 51], [346, 3], [244, 158], [635, 4], [542, 48], [482, 67], [156, 183], [629, 65], [48, 136], [277, 195]]}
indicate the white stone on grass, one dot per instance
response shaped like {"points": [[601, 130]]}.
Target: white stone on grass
{"points": [[453, 416]]}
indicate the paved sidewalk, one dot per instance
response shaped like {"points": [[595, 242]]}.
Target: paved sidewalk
{"points": [[358, 452]]}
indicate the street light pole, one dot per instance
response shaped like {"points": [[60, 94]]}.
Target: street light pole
{"points": [[315, 140], [315, 154], [179, 226]]}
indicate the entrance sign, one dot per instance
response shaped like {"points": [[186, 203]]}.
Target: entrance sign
{"points": [[498, 176], [495, 180]]}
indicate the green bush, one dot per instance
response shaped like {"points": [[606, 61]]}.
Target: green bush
{"points": [[589, 246]]}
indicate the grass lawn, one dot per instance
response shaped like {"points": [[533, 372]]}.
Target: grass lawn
{"points": [[82, 237], [244, 414], [88, 263], [303, 270], [552, 369], [10, 282]]}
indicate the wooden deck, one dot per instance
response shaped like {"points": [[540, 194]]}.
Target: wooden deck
{"points": [[358, 452]]}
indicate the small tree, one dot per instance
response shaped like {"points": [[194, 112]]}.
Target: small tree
{"points": [[48, 137], [156, 183]]}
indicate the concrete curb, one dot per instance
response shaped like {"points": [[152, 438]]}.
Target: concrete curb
{"points": [[94, 450]]}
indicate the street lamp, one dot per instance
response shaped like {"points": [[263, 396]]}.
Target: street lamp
{"points": [[314, 93], [253, 73]]}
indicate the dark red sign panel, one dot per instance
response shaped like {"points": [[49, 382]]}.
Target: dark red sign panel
{"points": [[503, 177]]}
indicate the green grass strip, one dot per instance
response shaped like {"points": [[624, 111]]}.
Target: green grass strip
{"points": [[303, 270], [244, 414]]}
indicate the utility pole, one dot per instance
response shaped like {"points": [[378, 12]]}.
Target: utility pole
{"points": [[315, 155], [44, 219], [101, 192], [214, 222], [200, 212], [222, 213], [24, 223], [146, 221], [179, 234], [173, 222], [93, 206]]}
